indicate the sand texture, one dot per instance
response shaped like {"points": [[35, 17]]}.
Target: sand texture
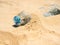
{"points": [[40, 30]]}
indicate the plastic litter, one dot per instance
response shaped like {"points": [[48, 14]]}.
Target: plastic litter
{"points": [[21, 19], [52, 12]]}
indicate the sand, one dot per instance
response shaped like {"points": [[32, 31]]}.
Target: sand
{"points": [[40, 30]]}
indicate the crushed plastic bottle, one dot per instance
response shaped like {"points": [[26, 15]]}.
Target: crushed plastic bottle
{"points": [[52, 12], [21, 19]]}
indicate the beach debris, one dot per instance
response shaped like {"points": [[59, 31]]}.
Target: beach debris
{"points": [[52, 12], [21, 19]]}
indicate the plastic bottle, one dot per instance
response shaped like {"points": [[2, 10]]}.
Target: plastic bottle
{"points": [[21, 19]]}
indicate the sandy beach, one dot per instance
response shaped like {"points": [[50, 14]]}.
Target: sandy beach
{"points": [[40, 30]]}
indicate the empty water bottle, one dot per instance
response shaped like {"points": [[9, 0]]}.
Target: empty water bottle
{"points": [[21, 19]]}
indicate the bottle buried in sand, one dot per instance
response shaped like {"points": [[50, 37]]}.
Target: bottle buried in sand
{"points": [[21, 19], [52, 12]]}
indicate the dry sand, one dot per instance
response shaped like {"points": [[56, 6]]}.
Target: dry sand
{"points": [[39, 31]]}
